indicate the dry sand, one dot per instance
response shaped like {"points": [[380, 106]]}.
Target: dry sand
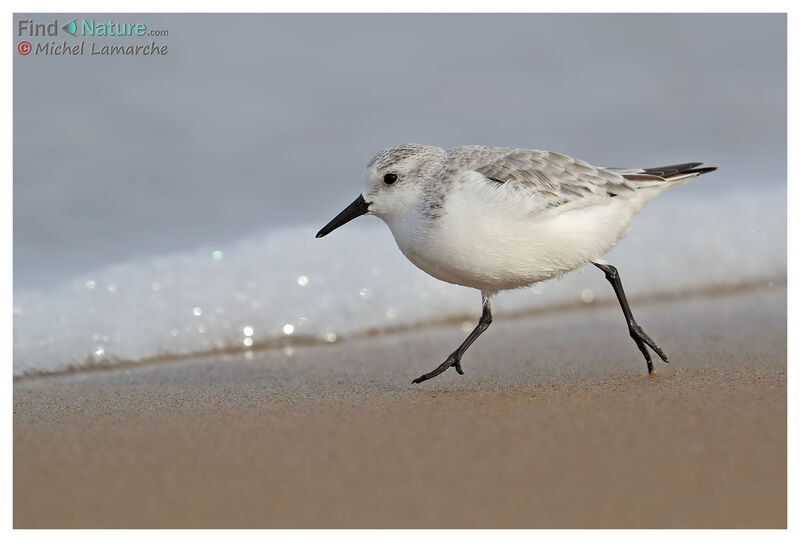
{"points": [[555, 424]]}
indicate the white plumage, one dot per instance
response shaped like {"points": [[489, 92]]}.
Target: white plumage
{"points": [[494, 218], [509, 217]]}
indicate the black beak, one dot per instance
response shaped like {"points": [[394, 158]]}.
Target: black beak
{"points": [[354, 210]]}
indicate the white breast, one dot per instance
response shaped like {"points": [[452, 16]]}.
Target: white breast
{"points": [[493, 238]]}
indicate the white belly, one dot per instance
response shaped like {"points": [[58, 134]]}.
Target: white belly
{"points": [[495, 244]]}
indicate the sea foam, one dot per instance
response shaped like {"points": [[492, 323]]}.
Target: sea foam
{"points": [[287, 284]]}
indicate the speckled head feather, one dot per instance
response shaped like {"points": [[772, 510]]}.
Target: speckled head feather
{"points": [[416, 168], [392, 155]]}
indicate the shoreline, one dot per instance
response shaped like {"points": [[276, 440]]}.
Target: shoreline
{"points": [[711, 291], [555, 424]]}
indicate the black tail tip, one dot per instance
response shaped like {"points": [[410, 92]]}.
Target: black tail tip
{"points": [[678, 169]]}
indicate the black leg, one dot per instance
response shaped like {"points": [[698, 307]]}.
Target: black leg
{"points": [[637, 333], [454, 360]]}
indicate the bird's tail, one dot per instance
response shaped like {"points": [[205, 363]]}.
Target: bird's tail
{"points": [[675, 175]]}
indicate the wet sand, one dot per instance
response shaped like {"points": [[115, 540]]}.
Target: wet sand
{"points": [[555, 424]]}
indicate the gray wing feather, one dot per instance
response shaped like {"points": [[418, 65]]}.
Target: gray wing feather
{"points": [[556, 177]]}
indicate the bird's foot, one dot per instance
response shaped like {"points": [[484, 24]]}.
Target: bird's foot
{"points": [[453, 360], [642, 340]]}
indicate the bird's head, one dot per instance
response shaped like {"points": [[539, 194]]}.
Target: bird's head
{"points": [[395, 179]]}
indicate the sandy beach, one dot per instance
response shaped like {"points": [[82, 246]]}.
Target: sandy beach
{"points": [[555, 424]]}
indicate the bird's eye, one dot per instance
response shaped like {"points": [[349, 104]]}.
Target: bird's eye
{"points": [[389, 178]]}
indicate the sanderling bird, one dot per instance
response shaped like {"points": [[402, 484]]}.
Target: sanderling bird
{"points": [[496, 219]]}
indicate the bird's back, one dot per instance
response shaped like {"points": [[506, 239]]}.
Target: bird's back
{"points": [[513, 217]]}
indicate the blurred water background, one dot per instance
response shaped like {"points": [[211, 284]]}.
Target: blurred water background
{"points": [[167, 205]]}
